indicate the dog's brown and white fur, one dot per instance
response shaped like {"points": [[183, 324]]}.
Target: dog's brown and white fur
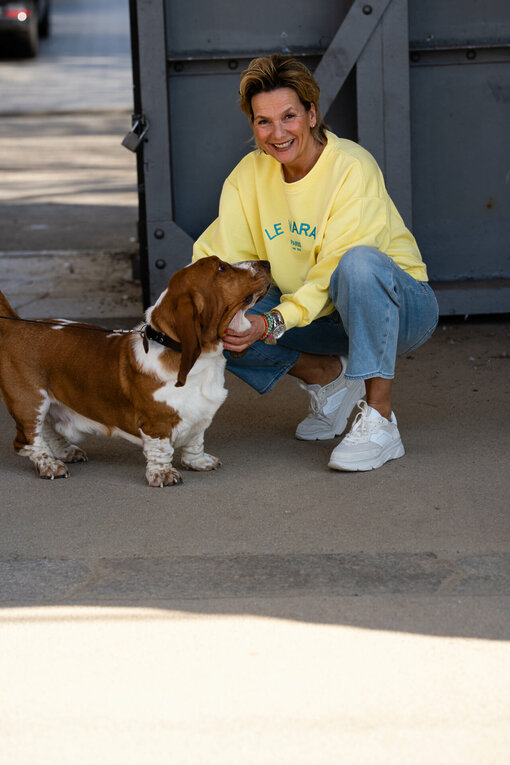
{"points": [[61, 381]]}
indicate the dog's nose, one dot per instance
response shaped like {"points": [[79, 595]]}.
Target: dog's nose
{"points": [[265, 264]]}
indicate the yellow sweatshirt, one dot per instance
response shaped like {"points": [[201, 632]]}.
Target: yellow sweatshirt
{"points": [[304, 228]]}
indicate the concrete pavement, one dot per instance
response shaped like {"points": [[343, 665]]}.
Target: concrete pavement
{"points": [[271, 611], [69, 212]]}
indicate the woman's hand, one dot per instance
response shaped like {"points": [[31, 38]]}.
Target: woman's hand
{"points": [[239, 341]]}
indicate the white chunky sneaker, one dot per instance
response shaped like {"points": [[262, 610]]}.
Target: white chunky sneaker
{"points": [[330, 407], [372, 441]]}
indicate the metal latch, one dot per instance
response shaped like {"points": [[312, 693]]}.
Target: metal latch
{"points": [[137, 133]]}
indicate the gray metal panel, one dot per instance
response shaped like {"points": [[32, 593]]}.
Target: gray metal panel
{"points": [[346, 46], [383, 103], [461, 169], [204, 149], [460, 126], [463, 21], [473, 297], [168, 247], [207, 29]]}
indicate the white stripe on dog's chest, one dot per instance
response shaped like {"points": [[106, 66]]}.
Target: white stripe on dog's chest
{"points": [[197, 401]]}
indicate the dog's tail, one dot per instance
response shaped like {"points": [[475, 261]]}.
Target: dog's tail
{"points": [[6, 309]]}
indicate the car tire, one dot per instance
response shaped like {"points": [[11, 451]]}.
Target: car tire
{"points": [[44, 23]]}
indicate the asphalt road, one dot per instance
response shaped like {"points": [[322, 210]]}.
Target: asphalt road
{"points": [[68, 199], [84, 64]]}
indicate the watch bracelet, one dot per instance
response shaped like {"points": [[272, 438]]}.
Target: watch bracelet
{"points": [[273, 320]]}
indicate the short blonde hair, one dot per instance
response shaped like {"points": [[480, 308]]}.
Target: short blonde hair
{"points": [[276, 71]]}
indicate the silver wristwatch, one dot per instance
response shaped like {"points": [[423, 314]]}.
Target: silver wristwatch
{"points": [[278, 327]]}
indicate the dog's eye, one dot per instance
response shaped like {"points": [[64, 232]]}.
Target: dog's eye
{"points": [[248, 299], [222, 267]]}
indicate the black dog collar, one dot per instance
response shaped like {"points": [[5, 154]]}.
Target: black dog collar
{"points": [[149, 333]]}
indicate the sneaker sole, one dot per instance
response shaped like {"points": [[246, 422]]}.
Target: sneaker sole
{"points": [[393, 452], [352, 397]]}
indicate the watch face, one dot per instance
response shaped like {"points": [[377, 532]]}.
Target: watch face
{"points": [[278, 331]]}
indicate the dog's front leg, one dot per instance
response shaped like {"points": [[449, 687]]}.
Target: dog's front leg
{"points": [[193, 456], [158, 453]]}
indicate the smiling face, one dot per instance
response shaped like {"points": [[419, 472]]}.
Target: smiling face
{"points": [[282, 129]]}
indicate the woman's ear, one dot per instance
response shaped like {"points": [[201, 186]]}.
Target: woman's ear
{"points": [[312, 115]]}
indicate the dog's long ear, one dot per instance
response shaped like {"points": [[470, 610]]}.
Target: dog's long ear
{"points": [[187, 325]]}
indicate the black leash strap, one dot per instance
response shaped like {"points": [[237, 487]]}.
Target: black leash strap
{"points": [[75, 325], [146, 332]]}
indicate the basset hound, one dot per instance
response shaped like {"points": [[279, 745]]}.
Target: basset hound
{"points": [[158, 385]]}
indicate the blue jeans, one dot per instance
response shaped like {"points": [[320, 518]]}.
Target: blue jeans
{"points": [[381, 312]]}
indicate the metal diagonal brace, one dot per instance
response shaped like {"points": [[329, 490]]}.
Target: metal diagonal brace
{"points": [[346, 46]]}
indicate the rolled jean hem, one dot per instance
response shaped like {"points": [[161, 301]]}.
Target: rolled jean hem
{"points": [[370, 376]]}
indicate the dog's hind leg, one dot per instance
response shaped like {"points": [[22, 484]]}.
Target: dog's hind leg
{"points": [[40, 454], [60, 446], [29, 415]]}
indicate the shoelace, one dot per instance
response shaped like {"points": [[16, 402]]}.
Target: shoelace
{"points": [[316, 401], [362, 426]]}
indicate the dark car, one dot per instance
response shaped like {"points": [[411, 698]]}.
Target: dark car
{"points": [[21, 25]]}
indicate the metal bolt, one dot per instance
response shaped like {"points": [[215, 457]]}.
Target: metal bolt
{"points": [[233, 64], [471, 54], [367, 10], [159, 233], [160, 263]]}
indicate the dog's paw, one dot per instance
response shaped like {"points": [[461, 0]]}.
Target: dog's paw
{"points": [[73, 454], [204, 462], [163, 477], [51, 469]]}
